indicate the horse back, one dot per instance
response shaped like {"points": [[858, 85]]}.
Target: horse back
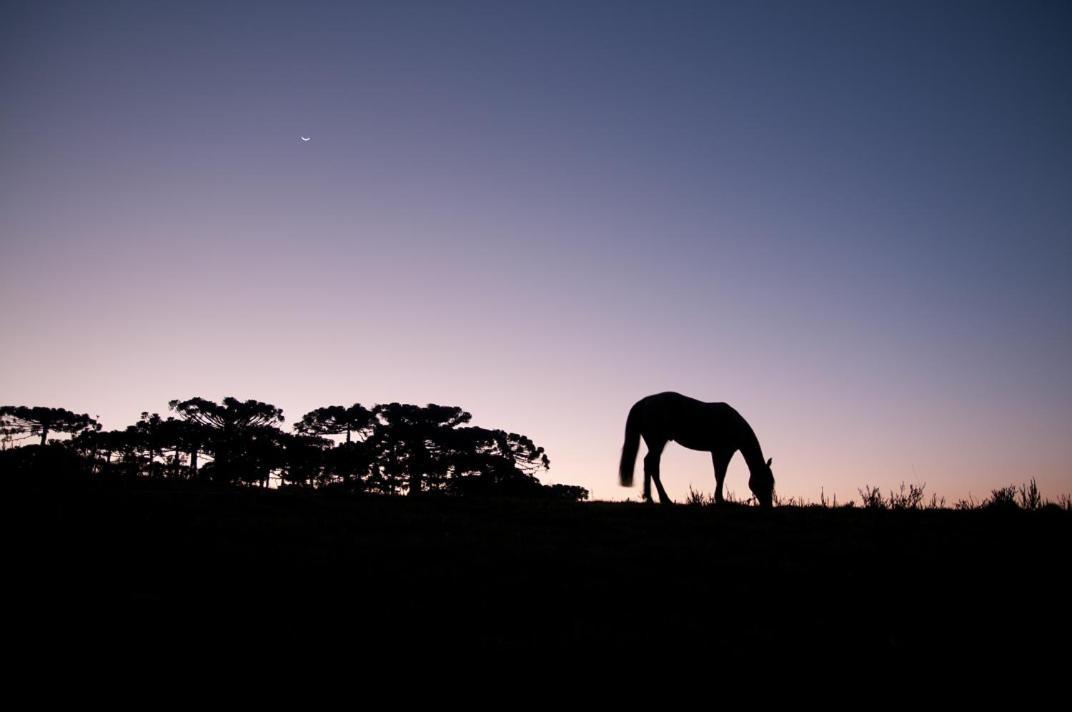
{"points": [[694, 424]]}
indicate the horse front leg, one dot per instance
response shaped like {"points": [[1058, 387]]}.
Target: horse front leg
{"points": [[721, 462]]}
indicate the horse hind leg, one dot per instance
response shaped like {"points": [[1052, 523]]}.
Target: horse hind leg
{"points": [[651, 471], [647, 474]]}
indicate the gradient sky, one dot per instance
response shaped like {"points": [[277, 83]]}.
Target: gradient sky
{"points": [[851, 221]]}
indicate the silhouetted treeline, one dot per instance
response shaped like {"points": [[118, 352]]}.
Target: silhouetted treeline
{"points": [[391, 448]]}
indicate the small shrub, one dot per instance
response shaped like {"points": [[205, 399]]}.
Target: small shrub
{"points": [[907, 500], [697, 499], [1030, 499], [1002, 498], [788, 501], [566, 493], [872, 497], [966, 504], [936, 502]]}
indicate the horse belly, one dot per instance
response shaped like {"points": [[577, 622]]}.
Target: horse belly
{"points": [[692, 442]]}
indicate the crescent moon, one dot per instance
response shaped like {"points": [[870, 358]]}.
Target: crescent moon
{"points": [[305, 139]]}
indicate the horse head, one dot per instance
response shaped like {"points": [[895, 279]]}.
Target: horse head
{"points": [[762, 484]]}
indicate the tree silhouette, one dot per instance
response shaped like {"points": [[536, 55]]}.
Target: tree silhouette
{"points": [[233, 414], [238, 433], [19, 419], [411, 442], [98, 446], [150, 435], [337, 420], [302, 458], [253, 454], [392, 448], [182, 437], [494, 461], [351, 463]]}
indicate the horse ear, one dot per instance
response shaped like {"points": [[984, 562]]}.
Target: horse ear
{"points": [[770, 461]]}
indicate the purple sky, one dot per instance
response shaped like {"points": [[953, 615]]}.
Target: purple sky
{"points": [[851, 221]]}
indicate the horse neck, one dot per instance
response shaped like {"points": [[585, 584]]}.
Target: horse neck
{"points": [[752, 452]]}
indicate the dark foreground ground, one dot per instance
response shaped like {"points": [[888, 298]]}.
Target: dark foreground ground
{"points": [[149, 567]]}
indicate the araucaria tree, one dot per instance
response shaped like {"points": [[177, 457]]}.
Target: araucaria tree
{"points": [[413, 442], [494, 461], [239, 434], [337, 420], [16, 420], [349, 462]]}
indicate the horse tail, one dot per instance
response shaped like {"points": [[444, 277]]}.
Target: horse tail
{"points": [[629, 449]]}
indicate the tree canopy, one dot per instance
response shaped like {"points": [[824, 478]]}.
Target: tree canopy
{"points": [[391, 448], [232, 414], [20, 420], [337, 420]]}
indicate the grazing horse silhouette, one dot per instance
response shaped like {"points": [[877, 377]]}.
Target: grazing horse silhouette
{"points": [[715, 427]]}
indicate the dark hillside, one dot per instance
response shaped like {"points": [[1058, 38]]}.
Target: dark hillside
{"points": [[164, 565]]}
